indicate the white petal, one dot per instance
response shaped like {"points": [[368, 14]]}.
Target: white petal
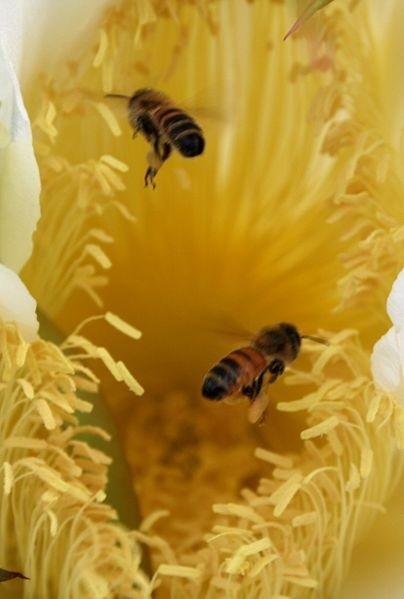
{"points": [[45, 32], [395, 302], [386, 362], [16, 304], [19, 175]]}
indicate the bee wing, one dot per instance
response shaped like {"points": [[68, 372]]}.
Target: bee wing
{"points": [[202, 105], [207, 113], [229, 327], [118, 103], [240, 336], [118, 97], [205, 105]]}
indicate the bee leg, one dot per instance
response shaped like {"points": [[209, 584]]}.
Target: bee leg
{"points": [[161, 151], [145, 125], [263, 418], [276, 368], [164, 151], [257, 385], [137, 128], [258, 407], [252, 391], [248, 391], [259, 403], [155, 163], [149, 177]]}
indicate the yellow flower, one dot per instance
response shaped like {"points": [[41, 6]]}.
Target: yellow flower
{"points": [[53, 481], [293, 213]]}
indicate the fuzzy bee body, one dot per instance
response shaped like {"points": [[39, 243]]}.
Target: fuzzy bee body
{"points": [[179, 129], [242, 370], [165, 127], [234, 372]]}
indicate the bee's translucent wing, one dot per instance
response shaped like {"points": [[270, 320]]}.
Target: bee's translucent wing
{"points": [[228, 327], [202, 105], [118, 97], [316, 339], [207, 106], [206, 113], [231, 334], [114, 111], [118, 103]]}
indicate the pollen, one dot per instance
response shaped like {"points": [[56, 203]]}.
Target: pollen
{"points": [[122, 326], [109, 118], [55, 469]]}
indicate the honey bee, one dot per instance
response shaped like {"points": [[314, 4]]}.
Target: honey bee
{"points": [[164, 126], [243, 370]]}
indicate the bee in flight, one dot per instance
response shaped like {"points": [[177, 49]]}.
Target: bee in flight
{"points": [[164, 126], [243, 370]]}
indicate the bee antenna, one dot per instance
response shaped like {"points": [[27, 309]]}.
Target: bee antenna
{"points": [[117, 96], [316, 339]]}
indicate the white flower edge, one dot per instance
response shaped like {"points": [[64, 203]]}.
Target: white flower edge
{"points": [[33, 38], [17, 305], [45, 40], [387, 360], [395, 302], [19, 174]]}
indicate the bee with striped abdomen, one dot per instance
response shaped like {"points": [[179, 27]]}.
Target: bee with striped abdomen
{"points": [[243, 370], [165, 127]]}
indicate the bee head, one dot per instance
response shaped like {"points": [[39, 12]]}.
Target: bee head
{"points": [[282, 338], [137, 95], [146, 98], [292, 334]]}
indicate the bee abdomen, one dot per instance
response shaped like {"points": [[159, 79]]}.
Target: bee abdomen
{"points": [[183, 132], [252, 361], [222, 379], [232, 373], [190, 144]]}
